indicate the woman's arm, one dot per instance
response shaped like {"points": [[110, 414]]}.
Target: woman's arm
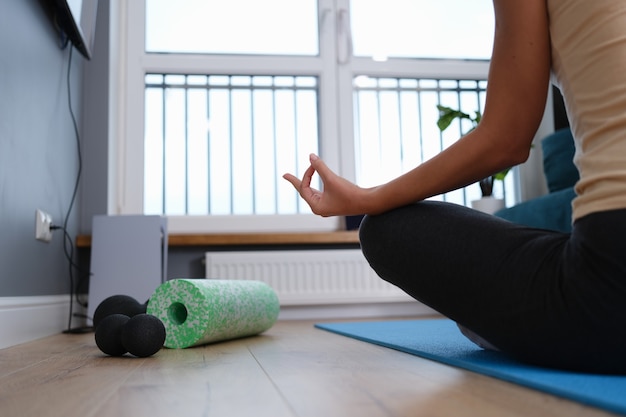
{"points": [[516, 95]]}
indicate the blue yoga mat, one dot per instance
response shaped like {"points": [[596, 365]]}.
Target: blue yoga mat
{"points": [[440, 340]]}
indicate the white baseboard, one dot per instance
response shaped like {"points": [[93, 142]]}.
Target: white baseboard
{"points": [[23, 319]]}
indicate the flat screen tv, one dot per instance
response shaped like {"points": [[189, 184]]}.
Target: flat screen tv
{"points": [[75, 20]]}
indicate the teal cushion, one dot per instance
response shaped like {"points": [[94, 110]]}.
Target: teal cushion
{"points": [[552, 211], [558, 153]]}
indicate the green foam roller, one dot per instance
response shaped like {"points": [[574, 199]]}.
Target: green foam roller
{"points": [[200, 311]]}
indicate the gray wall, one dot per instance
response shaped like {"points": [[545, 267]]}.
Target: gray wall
{"points": [[38, 157], [95, 130]]}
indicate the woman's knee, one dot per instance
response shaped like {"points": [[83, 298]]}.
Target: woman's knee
{"points": [[365, 231], [371, 237], [382, 240], [395, 228]]}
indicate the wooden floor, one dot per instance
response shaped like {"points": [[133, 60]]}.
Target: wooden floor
{"points": [[291, 370]]}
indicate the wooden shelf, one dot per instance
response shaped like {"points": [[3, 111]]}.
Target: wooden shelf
{"points": [[238, 239]]}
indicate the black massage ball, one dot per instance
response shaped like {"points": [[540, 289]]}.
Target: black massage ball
{"points": [[117, 304], [143, 335], [109, 334]]}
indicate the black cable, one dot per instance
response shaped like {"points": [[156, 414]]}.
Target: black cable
{"points": [[73, 293], [70, 258], [69, 247], [64, 40]]}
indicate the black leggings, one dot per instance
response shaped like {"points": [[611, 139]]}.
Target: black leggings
{"points": [[543, 297]]}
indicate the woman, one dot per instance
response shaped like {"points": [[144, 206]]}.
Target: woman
{"points": [[547, 298]]}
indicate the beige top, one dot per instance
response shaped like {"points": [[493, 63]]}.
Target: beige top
{"points": [[589, 66]]}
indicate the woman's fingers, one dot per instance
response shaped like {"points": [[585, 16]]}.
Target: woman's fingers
{"points": [[310, 195], [336, 197], [304, 184], [295, 181], [307, 178]]}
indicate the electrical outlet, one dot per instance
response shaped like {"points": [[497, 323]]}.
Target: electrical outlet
{"points": [[43, 221]]}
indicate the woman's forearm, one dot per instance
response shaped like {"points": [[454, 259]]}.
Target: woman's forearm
{"points": [[516, 96], [470, 159]]}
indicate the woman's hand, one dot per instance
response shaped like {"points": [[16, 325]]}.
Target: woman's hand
{"points": [[340, 197]]}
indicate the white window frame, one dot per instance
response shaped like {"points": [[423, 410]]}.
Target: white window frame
{"points": [[128, 95], [129, 63]]}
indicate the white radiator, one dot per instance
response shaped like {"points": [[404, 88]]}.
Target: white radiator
{"points": [[307, 277]]}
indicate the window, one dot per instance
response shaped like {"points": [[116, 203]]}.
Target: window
{"points": [[234, 27], [395, 128], [218, 144], [442, 29], [221, 98]]}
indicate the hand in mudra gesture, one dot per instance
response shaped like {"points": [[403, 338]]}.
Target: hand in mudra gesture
{"points": [[339, 197]]}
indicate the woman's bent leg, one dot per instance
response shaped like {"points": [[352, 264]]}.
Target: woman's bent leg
{"points": [[501, 281], [456, 260]]}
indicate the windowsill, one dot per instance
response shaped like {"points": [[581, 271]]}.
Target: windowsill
{"points": [[236, 239]]}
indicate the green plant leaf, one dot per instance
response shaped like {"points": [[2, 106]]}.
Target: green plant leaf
{"points": [[500, 175], [447, 116]]}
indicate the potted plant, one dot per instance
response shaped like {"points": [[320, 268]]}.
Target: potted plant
{"points": [[487, 203]]}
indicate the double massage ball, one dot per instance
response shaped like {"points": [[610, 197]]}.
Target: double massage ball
{"points": [[122, 326], [183, 313], [117, 304]]}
